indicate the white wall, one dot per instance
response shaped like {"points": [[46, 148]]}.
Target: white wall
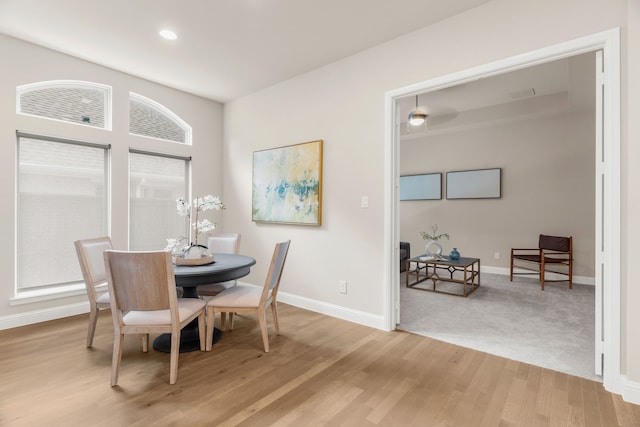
{"points": [[343, 103], [24, 63], [548, 187]]}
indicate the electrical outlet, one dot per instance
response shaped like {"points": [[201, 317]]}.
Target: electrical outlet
{"points": [[342, 286], [496, 255]]}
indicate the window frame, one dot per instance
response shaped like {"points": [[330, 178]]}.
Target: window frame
{"points": [[188, 183], [32, 87], [188, 131], [57, 290]]}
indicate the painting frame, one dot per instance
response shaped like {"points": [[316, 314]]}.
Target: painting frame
{"points": [[474, 184], [423, 186], [286, 186]]}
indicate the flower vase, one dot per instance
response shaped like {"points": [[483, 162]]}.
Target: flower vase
{"points": [[193, 252], [454, 255], [433, 248], [193, 255]]}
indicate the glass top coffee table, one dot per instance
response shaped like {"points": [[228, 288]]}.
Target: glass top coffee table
{"points": [[464, 271]]}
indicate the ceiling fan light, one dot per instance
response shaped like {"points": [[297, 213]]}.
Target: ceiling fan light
{"points": [[417, 118]]}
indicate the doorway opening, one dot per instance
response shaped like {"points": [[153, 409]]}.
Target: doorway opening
{"points": [[535, 127], [607, 204]]}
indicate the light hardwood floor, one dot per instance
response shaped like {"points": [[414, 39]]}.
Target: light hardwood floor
{"points": [[320, 371]]}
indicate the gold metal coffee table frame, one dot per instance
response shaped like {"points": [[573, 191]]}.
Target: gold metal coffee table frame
{"points": [[470, 268]]}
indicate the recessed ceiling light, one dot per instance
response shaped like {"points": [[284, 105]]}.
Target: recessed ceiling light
{"points": [[168, 34]]}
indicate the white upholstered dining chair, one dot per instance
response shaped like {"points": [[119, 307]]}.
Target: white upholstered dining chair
{"points": [[144, 301], [250, 299], [90, 255], [221, 244]]}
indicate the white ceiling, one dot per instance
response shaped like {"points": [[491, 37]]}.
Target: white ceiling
{"points": [[544, 79], [550, 88], [225, 48]]}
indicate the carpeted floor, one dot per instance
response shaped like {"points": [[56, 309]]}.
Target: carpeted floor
{"points": [[554, 329]]}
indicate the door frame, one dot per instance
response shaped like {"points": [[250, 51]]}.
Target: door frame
{"points": [[608, 212]]}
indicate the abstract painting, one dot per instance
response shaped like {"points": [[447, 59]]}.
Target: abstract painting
{"points": [[475, 184], [287, 184]]}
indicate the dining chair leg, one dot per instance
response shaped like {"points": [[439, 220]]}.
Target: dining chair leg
{"points": [[262, 320], [202, 331], [115, 358], [210, 318], [223, 321], [274, 310], [145, 342], [93, 320], [230, 324], [175, 352]]}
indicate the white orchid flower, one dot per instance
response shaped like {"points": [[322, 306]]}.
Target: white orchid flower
{"points": [[204, 226], [171, 245], [207, 203], [183, 207]]}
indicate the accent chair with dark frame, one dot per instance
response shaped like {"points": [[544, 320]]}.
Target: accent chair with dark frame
{"points": [[551, 250]]}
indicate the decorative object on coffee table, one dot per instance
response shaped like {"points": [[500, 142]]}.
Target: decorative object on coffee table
{"points": [[434, 248], [454, 254]]}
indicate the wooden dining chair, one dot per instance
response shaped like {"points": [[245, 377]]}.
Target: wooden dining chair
{"points": [[221, 244], [250, 299], [90, 255], [144, 301]]}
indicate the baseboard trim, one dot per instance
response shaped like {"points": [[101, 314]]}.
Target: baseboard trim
{"points": [[333, 310], [630, 391], [43, 315], [582, 280]]}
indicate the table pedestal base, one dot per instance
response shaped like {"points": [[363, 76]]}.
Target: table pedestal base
{"points": [[189, 340]]}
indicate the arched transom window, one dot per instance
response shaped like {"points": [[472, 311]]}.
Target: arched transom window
{"points": [[83, 103], [151, 119]]}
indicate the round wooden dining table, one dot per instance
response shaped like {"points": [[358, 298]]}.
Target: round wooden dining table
{"points": [[224, 267]]}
